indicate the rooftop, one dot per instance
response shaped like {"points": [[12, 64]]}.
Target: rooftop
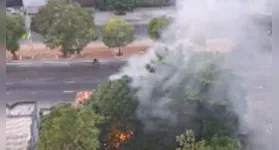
{"points": [[19, 119], [18, 133]]}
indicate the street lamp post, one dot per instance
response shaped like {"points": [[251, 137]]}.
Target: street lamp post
{"points": [[28, 27]]}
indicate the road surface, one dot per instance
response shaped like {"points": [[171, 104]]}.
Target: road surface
{"points": [[51, 84]]}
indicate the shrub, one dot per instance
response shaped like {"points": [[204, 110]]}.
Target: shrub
{"points": [[121, 6], [157, 25]]}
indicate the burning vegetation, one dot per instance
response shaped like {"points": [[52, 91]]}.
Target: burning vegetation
{"points": [[116, 137], [82, 97]]}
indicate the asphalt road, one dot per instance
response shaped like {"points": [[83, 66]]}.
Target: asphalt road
{"points": [[52, 84], [61, 82]]}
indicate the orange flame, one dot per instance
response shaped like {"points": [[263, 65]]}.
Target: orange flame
{"points": [[82, 97], [117, 137]]}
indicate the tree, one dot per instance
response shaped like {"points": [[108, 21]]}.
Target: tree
{"points": [[157, 25], [47, 15], [201, 101], [118, 33], [15, 30], [121, 6], [71, 28], [69, 128], [187, 141], [114, 100]]}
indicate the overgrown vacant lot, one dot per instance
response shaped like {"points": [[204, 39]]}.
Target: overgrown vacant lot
{"points": [[99, 50]]}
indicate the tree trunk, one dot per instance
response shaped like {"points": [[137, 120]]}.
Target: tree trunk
{"points": [[14, 57], [119, 52], [78, 52], [64, 54]]}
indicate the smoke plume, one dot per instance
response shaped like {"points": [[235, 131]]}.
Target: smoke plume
{"points": [[230, 24]]}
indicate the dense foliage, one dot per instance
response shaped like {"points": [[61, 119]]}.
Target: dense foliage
{"points": [[114, 100], [157, 25], [65, 26], [205, 100], [15, 29], [121, 6], [47, 15], [69, 128], [187, 141], [118, 33], [211, 117]]}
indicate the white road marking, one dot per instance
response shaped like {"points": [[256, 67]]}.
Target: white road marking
{"points": [[68, 91], [7, 93], [33, 93], [9, 83], [69, 82]]}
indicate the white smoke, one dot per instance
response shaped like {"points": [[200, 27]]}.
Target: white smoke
{"points": [[214, 20]]}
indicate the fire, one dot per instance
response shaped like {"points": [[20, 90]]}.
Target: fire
{"points": [[82, 96], [117, 137]]}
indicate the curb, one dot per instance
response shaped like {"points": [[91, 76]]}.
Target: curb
{"points": [[61, 63]]}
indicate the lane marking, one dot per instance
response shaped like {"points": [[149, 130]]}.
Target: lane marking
{"points": [[9, 83], [69, 82], [68, 91], [33, 93]]}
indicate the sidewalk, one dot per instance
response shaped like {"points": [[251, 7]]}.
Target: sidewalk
{"points": [[38, 51], [98, 50]]}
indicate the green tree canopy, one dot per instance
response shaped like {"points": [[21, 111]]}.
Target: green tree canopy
{"points": [[15, 29], [121, 6], [157, 25], [114, 100], [187, 141], [207, 94], [70, 27], [118, 33], [69, 128], [47, 15], [201, 101]]}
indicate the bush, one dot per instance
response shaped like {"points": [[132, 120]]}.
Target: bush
{"points": [[118, 33], [69, 128], [157, 25], [15, 29], [155, 3], [121, 6]]}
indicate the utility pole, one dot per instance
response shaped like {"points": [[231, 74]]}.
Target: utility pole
{"points": [[28, 26]]}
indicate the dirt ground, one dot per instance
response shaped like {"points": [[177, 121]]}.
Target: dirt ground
{"points": [[38, 51]]}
